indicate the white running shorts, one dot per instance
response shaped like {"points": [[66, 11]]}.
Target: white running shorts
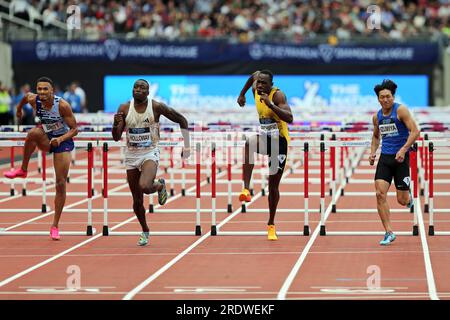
{"points": [[136, 162]]}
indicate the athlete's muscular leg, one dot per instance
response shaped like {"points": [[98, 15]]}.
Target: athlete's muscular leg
{"points": [[403, 197], [382, 187], [61, 162], [274, 195], [251, 146], [36, 137], [138, 197], [147, 180]]}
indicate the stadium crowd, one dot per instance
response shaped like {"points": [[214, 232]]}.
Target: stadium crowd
{"points": [[245, 21]]}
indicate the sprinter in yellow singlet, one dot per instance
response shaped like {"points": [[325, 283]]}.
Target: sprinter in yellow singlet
{"points": [[272, 139]]}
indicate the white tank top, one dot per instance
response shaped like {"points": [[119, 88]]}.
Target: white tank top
{"points": [[142, 130]]}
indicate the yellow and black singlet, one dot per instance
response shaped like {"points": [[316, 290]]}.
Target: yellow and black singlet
{"points": [[268, 118]]}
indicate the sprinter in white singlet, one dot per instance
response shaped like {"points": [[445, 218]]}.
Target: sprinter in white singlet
{"points": [[140, 118]]}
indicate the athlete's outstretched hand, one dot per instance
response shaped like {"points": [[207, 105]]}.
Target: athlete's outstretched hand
{"points": [[400, 156], [241, 100], [118, 118], [372, 158], [264, 97], [55, 142]]}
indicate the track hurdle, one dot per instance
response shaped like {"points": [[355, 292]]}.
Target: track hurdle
{"points": [[106, 231], [431, 228], [89, 230], [414, 185], [215, 230]]}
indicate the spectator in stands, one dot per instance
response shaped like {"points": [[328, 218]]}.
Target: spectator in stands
{"points": [[244, 21], [80, 92], [20, 9], [73, 99], [5, 108], [28, 111]]}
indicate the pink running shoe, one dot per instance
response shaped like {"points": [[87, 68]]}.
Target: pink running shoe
{"points": [[54, 233], [15, 173]]}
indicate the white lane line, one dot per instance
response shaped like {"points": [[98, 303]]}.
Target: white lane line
{"points": [[61, 254], [168, 265], [290, 278], [426, 254], [155, 275]]}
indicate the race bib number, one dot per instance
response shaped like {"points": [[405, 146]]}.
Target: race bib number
{"points": [[52, 126], [388, 130], [139, 137]]}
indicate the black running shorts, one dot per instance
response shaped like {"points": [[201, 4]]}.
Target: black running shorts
{"points": [[388, 167], [276, 147]]}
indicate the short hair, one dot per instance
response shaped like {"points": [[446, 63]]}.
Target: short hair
{"points": [[45, 79], [268, 72], [386, 84], [148, 84]]}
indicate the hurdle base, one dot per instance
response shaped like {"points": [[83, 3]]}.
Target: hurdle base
{"points": [[172, 192], [411, 209], [431, 230], [89, 231], [183, 192], [198, 230], [322, 231], [214, 230], [422, 193], [263, 192], [105, 231], [230, 208], [24, 192], [415, 230], [331, 192], [151, 209], [44, 208], [11, 192], [333, 208], [342, 192], [243, 209], [306, 230], [426, 208]]}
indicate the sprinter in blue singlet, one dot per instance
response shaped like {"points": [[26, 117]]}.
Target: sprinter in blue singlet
{"points": [[58, 128], [398, 132]]}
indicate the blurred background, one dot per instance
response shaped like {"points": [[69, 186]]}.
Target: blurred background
{"points": [[325, 55]]}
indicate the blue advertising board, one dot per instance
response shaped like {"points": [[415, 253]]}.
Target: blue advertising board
{"points": [[302, 91], [113, 50]]}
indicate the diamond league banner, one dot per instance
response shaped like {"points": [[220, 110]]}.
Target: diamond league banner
{"points": [[113, 50]]}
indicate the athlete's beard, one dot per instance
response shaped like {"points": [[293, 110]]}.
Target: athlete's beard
{"points": [[139, 101]]}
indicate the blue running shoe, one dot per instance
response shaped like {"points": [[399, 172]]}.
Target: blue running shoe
{"points": [[143, 239], [411, 199], [388, 238]]}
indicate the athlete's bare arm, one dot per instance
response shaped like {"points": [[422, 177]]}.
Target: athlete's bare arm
{"points": [[375, 140], [279, 106], [119, 121], [65, 110], [250, 83], [160, 108], [404, 115], [27, 98]]}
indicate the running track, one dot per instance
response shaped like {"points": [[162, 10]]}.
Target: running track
{"points": [[223, 267]]}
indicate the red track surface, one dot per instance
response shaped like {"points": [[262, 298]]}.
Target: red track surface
{"points": [[224, 267]]}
